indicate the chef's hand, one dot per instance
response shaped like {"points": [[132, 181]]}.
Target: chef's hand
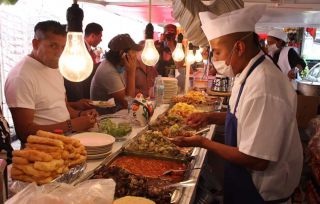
{"points": [[292, 74], [129, 61], [197, 119], [83, 123], [192, 141]]}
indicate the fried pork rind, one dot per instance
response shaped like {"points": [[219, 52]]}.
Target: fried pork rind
{"points": [[42, 147], [20, 160], [32, 155], [45, 141], [30, 170], [23, 177], [77, 161], [50, 135], [46, 157], [29, 179], [15, 171], [48, 166]]}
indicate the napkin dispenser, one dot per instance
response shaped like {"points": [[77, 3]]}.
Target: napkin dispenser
{"points": [[141, 110]]}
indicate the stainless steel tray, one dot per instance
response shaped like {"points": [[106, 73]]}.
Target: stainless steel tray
{"points": [[73, 174], [177, 193]]}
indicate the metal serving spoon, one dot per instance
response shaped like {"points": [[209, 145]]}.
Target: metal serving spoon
{"points": [[170, 172]]}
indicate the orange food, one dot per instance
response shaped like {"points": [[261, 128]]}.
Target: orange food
{"points": [[148, 167]]}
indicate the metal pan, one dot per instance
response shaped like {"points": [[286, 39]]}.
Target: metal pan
{"points": [[177, 193]]}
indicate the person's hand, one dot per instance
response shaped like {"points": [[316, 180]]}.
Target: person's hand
{"points": [[129, 61], [192, 141], [292, 74], [90, 112], [197, 119], [83, 123], [85, 104]]}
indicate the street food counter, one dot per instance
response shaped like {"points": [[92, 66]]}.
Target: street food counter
{"points": [[142, 161], [188, 193]]}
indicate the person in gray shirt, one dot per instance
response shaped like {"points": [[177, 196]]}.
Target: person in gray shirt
{"points": [[115, 76]]}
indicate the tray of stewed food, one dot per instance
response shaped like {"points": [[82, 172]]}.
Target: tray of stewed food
{"points": [[144, 175]]}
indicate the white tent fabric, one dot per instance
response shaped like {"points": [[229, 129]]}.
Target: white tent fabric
{"points": [[186, 12]]}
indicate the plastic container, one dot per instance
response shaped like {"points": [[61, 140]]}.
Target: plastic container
{"points": [[159, 90]]}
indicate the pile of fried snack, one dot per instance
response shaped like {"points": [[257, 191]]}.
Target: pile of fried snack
{"points": [[46, 156]]}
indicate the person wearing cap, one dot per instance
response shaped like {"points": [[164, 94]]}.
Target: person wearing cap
{"points": [[286, 57], [166, 65], [262, 149], [115, 76]]}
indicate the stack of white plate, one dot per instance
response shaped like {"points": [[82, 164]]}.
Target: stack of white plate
{"points": [[98, 145], [170, 88]]}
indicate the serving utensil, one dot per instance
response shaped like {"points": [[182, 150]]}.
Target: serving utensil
{"points": [[169, 172], [187, 183], [202, 131]]}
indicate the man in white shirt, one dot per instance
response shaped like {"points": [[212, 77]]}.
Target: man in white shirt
{"points": [[262, 147], [35, 91]]}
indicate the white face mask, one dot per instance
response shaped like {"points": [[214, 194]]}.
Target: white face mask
{"points": [[272, 49], [223, 69], [221, 66]]}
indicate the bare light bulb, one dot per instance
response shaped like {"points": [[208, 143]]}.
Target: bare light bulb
{"points": [[75, 63], [190, 57], [198, 56], [150, 55], [178, 54]]}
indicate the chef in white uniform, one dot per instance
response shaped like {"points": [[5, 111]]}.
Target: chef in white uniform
{"points": [[262, 147], [286, 57]]}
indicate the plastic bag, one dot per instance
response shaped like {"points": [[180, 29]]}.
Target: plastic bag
{"points": [[97, 191]]}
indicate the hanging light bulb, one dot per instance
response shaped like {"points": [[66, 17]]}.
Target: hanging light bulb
{"points": [[178, 53], [190, 59], [150, 55], [75, 62], [198, 56]]}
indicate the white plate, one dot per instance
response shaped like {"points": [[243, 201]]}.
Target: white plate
{"points": [[98, 156], [103, 104], [98, 151], [94, 139]]}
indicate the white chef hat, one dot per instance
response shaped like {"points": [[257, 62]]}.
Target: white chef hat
{"points": [[241, 20], [278, 33]]}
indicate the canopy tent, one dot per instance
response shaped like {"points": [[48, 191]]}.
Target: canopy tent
{"points": [[280, 13]]}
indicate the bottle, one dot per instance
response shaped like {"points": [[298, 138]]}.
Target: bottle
{"points": [[159, 90]]}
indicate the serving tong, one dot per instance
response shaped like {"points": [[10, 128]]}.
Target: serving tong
{"points": [[170, 172], [186, 183]]}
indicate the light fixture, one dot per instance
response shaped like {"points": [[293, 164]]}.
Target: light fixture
{"points": [[150, 55], [198, 56], [190, 59], [75, 62], [178, 53]]}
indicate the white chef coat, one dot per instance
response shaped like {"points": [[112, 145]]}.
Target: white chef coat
{"points": [[267, 128], [283, 63], [33, 85]]}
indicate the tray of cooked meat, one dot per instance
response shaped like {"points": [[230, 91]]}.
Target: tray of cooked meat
{"points": [[144, 176]]}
